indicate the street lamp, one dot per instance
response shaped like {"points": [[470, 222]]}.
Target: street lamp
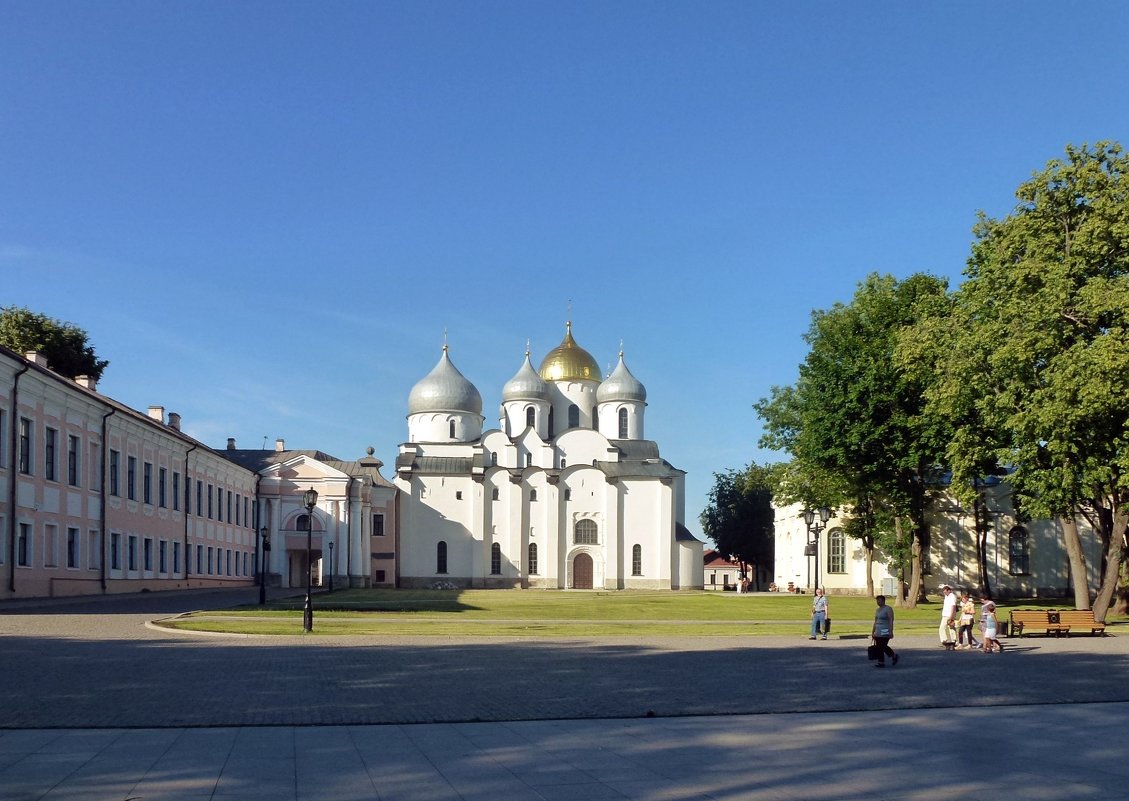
{"points": [[264, 538], [814, 530], [309, 500], [331, 565]]}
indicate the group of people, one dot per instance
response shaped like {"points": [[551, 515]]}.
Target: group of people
{"points": [[957, 618]]}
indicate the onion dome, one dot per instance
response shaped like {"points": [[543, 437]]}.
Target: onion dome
{"points": [[444, 389], [569, 362], [621, 385], [526, 384]]}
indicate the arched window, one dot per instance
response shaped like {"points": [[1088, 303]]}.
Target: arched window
{"points": [[1019, 552], [636, 560], [533, 558], [530, 416], [836, 552], [302, 523], [552, 424], [586, 532], [451, 429], [441, 557], [533, 495], [623, 423], [573, 416], [495, 559], [494, 494], [493, 458]]}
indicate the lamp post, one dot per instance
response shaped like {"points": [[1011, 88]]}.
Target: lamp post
{"points": [[814, 530], [309, 500], [264, 538], [331, 565]]}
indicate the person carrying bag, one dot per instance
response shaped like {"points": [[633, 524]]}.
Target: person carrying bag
{"points": [[882, 633]]}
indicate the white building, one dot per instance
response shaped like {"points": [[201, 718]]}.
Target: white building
{"points": [[566, 493], [1024, 558]]}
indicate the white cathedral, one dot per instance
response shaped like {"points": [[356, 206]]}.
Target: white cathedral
{"points": [[567, 493]]}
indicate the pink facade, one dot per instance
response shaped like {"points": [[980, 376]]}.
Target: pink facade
{"points": [[96, 498]]}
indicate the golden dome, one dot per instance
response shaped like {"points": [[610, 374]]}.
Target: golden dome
{"points": [[569, 362]]}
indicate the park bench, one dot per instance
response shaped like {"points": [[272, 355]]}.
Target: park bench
{"points": [[1053, 621], [1079, 621]]}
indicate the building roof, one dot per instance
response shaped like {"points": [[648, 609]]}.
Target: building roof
{"points": [[258, 460], [621, 385], [444, 389], [569, 362], [713, 558]]}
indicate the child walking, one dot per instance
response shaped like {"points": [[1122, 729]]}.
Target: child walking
{"points": [[991, 640]]}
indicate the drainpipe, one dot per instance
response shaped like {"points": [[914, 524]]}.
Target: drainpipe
{"points": [[14, 469], [187, 561], [349, 530], [105, 493]]}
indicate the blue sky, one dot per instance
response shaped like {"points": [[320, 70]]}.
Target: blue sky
{"points": [[266, 214]]}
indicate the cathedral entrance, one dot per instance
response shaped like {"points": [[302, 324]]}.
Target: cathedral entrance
{"points": [[582, 572]]}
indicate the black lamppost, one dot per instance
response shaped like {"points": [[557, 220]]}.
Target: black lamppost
{"points": [[331, 565], [264, 538], [309, 500], [814, 530]]}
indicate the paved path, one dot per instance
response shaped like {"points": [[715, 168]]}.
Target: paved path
{"points": [[93, 704]]}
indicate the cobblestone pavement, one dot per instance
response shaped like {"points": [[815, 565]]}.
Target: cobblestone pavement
{"points": [[95, 706], [96, 664]]}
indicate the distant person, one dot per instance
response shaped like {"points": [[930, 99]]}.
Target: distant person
{"points": [[883, 631], [991, 638], [818, 614], [948, 630], [967, 617]]}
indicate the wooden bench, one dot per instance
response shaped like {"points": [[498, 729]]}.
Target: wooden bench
{"points": [[1027, 621], [1053, 621], [1080, 621]]}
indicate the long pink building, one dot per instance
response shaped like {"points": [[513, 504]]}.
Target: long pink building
{"points": [[96, 497]]}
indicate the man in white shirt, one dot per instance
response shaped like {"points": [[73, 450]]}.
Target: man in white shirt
{"points": [[947, 629]]}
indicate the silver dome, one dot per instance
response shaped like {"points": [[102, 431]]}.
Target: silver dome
{"points": [[526, 384], [444, 389], [621, 386]]}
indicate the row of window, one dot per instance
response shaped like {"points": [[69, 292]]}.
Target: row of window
{"points": [[52, 550], [496, 558], [212, 505], [210, 560], [153, 483], [139, 553], [573, 418], [51, 463], [1018, 552]]}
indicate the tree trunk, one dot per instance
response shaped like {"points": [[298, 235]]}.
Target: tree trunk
{"points": [[868, 549], [1077, 561], [982, 526], [1113, 523], [915, 580]]}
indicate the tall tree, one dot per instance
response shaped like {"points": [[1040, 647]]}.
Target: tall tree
{"points": [[65, 345], [1033, 358], [739, 517], [855, 414]]}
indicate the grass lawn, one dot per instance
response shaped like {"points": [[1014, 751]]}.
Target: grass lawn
{"points": [[548, 613]]}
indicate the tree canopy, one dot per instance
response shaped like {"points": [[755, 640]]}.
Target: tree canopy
{"points": [[65, 345], [1031, 360], [739, 517], [855, 421]]}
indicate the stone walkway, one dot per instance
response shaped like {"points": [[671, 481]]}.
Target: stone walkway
{"points": [[95, 705]]}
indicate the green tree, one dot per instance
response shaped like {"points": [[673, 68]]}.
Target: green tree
{"points": [[739, 517], [65, 345], [856, 416], [1032, 359]]}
